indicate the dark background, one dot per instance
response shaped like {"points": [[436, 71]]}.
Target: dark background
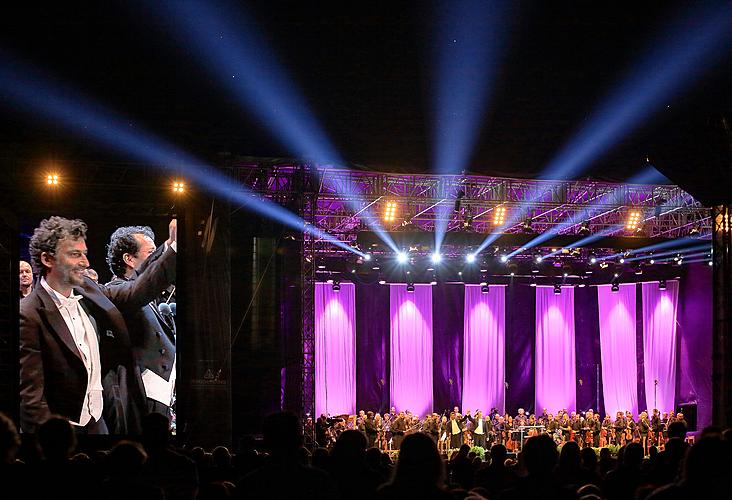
{"points": [[364, 70]]}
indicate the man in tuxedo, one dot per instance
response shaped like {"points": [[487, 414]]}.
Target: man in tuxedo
{"points": [[26, 279], [75, 353], [152, 333]]}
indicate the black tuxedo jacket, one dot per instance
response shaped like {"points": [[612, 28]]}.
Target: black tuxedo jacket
{"points": [[151, 334], [53, 378]]}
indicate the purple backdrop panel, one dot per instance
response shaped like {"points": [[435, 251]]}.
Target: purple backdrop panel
{"points": [[587, 350], [411, 348], [335, 352], [520, 342], [484, 352], [372, 347], [659, 344], [695, 330], [617, 345], [556, 386], [447, 326]]}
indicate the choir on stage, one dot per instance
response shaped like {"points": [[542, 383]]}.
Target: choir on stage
{"points": [[452, 430]]}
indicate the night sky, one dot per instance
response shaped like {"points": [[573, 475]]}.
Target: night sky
{"points": [[364, 70]]}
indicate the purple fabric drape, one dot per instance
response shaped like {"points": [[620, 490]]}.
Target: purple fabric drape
{"points": [[617, 344], [520, 342], [447, 327], [556, 386], [335, 353], [587, 350], [659, 344], [411, 348], [695, 332], [484, 350], [372, 347]]}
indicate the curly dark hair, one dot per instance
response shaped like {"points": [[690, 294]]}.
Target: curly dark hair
{"points": [[123, 241], [47, 235]]}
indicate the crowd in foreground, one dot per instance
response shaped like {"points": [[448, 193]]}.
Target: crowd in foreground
{"points": [[282, 468]]}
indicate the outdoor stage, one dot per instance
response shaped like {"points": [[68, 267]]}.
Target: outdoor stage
{"points": [[449, 345]]}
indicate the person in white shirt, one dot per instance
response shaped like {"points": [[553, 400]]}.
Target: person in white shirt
{"points": [[75, 355]]}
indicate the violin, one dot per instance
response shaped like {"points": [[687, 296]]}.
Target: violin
{"points": [[603, 438]]}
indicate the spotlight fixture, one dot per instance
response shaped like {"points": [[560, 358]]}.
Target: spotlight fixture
{"points": [[504, 258], [367, 257], [557, 289], [499, 216], [52, 180], [436, 258], [527, 226], [410, 287], [565, 274], [652, 261], [638, 269], [484, 289], [336, 286], [584, 229], [711, 263], [616, 275], [533, 282], [593, 259], [604, 264], [382, 282], [615, 287], [661, 284], [390, 211], [179, 187], [470, 258], [694, 231], [621, 260], [402, 258], [634, 217], [538, 259]]}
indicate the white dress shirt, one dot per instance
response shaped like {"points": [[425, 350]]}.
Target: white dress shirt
{"points": [[87, 344]]}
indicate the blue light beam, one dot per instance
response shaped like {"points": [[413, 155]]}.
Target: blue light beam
{"points": [[468, 36], [34, 93], [232, 49], [687, 48]]}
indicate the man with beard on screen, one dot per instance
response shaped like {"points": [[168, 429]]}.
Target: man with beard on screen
{"points": [[75, 354], [152, 327]]}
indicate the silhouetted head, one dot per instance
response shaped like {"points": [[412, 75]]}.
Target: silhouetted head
{"points": [[633, 455], [221, 456], [589, 458], [569, 458], [498, 454], [126, 458], [350, 447], [677, 430], [57, 439], [540, 455], [419, 461]]}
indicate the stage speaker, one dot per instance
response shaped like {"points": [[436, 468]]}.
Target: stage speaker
{"points": [[689, 411]]}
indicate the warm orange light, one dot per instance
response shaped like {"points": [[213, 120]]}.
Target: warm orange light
{"points": [[179, 187], [390, 211], [52, 180], [499, 216], [633, 219]]}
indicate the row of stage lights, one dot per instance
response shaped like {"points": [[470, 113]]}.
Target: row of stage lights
{"points": [[634, 222], [53, 180]]}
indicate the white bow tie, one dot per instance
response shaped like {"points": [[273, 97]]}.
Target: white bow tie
{"points": [[69, 302]]}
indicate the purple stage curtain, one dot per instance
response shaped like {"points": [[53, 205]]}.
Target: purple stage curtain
{"points": [[659, 344], [335, 353], [617, 346], [372, 347], [556, 386], [484, 349], [411, 348], [520, 348]]}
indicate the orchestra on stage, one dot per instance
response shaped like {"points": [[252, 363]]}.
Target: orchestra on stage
{"points": [[452, 430]]}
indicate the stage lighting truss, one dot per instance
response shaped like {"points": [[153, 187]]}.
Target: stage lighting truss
{"points": [[489, 204]]}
